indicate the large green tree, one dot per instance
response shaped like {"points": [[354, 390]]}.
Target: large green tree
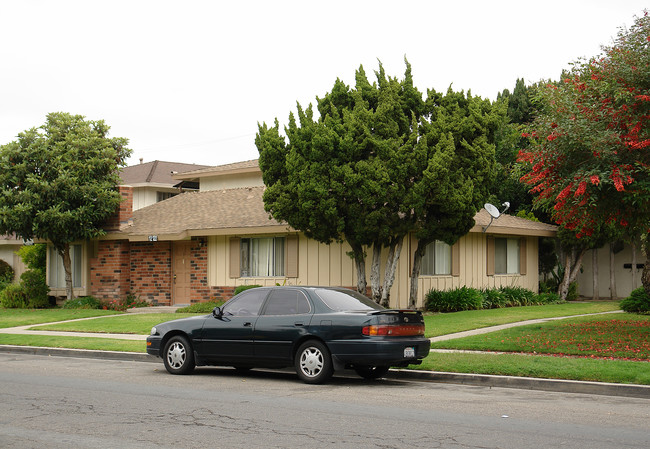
{"points": [[59, 182], [588, 155], [377, 163], [341, 176], [452, 170]]}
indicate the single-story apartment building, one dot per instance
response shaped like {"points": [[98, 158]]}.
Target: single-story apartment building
{"points": [[201, 245]]}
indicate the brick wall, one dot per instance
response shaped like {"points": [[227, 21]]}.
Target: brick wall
{"points": [[124, 212], [151, 271], [200, 291], [110, 270]]}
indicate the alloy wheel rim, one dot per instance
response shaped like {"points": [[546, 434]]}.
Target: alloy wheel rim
{"points": [[176, 355], [311, 362]]}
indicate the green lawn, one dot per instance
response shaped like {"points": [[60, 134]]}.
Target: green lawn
{"points": [[449, 323], [130, 323], [607, 348], [25, 317], [547, 367], [91, 343], [621, 336]]}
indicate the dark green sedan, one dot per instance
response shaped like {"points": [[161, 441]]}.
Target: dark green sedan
{"points": [[318, 330]]}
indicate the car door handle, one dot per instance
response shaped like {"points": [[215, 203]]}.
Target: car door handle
{"points": [[298, 324], [248, 324]]}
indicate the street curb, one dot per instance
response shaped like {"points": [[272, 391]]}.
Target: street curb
{"points": [[526, 383], [479, 380], [80, 353]]}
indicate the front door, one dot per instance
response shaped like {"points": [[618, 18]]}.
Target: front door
{"points": [[181, 270]]}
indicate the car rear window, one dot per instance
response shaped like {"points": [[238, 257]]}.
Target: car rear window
{"points": [[346, 300]]}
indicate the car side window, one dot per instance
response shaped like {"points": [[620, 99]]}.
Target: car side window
{"points": [[247, 303], [287, 302]]}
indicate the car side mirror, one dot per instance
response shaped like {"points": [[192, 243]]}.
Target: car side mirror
{"points": [[217, 312]]}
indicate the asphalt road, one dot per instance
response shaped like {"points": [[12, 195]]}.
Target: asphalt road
{"points": [[61, 402]]}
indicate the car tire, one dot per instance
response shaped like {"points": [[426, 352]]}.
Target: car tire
{"points": [[371, 372], [313, 362], [178, 356]]}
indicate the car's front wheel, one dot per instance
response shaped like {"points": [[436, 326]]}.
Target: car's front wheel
{"points": [[179, 356], [371, 372], [313, 362]]}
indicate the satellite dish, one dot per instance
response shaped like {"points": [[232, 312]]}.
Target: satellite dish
{"points": [[492, 210]]}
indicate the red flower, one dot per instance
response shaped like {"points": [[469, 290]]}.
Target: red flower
{"points": [[595, 180], [581, 189]]}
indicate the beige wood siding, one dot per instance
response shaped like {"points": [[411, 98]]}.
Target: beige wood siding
{"points": [[235, 181], [319, 264]]}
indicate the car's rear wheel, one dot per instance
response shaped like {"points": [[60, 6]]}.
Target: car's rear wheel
{"points": [[178, 356], [371, 372], [313, 362]]}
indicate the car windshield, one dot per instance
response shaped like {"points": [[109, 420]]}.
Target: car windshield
{"points": [[346, 300]]}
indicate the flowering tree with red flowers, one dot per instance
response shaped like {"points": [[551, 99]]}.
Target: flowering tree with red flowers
{"points": [[589, 153]]}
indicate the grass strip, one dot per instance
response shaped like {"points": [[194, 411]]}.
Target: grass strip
{"points": [[25, 317], [449, 323], [91, 343], [547, 367], [130, 323]]}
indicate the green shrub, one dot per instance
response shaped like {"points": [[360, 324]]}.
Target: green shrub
{"points": [[548, 298], [637, 302], [35, 289], [13, 297], [6, 272], [200, 307], [463, 298], [242, 288], [83, 302], [518, 296], [34, 256], [493, 298]]}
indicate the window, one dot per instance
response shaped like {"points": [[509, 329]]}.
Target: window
{"points": [[161, 196], [262, 257], [287, 302], [247, 303], [436, 259], [57, 273], [506, 256]]}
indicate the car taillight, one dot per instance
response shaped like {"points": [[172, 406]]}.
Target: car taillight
{"points": [[397, 330]]}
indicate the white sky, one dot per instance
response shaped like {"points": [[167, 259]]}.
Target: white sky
{"points": [[188, 81]]}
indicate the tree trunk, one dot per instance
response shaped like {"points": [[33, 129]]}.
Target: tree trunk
{"points": [[645, 276], [594, 269], [572, 264], [375, 270], [391, 267], [415, 273], [634, 281], [67, 268], [359, 258], [612, 277]]}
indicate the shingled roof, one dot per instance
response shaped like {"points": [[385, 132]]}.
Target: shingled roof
{"points": [[509, 224], [241, 211], [155, 172], [217, 212]]}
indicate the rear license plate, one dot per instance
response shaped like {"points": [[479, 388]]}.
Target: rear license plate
{"points": [[409, 353]]}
